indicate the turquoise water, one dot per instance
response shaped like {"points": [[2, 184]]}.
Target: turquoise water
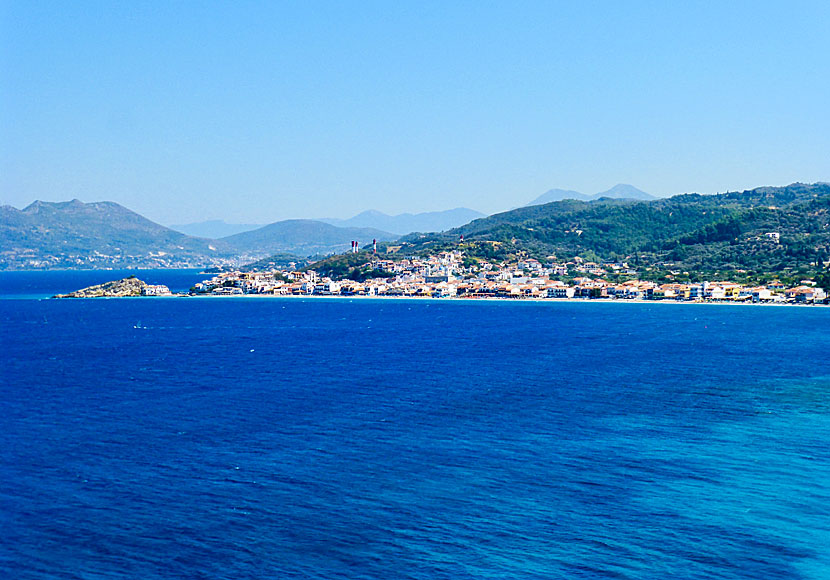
{"points": [[314, 438]]}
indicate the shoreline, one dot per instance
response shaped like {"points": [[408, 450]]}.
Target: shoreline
{"points": [[454, 299]]}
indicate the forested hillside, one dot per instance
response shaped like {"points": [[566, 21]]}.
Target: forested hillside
{"points": [[765, 229]]}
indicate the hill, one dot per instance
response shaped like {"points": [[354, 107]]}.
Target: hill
{"points": [[357, 267], [304, 237], [717, 233], [405, 223], [103, 234], [117, 288]]}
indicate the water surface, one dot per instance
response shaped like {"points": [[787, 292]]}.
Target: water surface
{"points": [[314, 438]]}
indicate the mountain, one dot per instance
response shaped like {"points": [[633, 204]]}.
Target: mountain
{"points": [[552, 195], [690, 231], [433, 221], [304, 237], [104, 234], [624, 191], [619, 191], [214, 229]]}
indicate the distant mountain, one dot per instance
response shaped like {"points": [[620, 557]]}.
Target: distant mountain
{"points": [[624, 191], [104, 234], [432, 221], [214, 229], [619, 191], [304, 237], [552, 195]]}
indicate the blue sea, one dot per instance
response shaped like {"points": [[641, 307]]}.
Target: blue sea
{"points": [[417, 439]]}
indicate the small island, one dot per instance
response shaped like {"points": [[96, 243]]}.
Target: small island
{"points": [[125, 287]]}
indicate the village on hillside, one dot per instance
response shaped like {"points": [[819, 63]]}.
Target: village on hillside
{"points": [[448, 275]]}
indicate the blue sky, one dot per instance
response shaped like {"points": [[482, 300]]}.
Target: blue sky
{"points": [[259, 111]]}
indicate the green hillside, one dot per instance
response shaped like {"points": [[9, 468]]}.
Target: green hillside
{"points": [[350, 266], [705, 233]]}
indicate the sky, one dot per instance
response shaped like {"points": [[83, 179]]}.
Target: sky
{"points": [[254, 112]]}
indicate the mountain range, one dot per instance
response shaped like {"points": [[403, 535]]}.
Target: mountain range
{"points": [[619, 191], [105, 234], [769, 229]]}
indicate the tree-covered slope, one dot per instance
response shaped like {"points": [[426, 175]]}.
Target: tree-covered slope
{"points": [[762, 239], [714, 229]]}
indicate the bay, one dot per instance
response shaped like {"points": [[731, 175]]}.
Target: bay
{"points": [[358, 438]]}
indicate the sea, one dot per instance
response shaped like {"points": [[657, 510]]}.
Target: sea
{"points": [[355, 438]]}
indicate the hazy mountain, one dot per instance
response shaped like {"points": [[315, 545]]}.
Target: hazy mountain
{"points": [[432, 221], [619, 191], [304, 237], [214, 229], [552, 195], [624, 191], [88, 235]]}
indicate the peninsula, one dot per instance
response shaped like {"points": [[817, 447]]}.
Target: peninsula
{"points": [[125, 287]]}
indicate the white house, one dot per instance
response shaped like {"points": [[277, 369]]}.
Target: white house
{"points": [[561, 292]]}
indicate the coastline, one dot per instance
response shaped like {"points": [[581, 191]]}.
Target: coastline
{"points": [[476, 299], [30, 293]]}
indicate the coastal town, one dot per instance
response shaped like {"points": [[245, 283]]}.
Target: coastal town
{"points": [[448, 275]]}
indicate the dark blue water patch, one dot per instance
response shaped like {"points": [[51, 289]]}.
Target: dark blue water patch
{"points": [[44, 284], [252, 438]]}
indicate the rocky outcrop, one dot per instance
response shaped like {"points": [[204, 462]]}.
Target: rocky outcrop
{"points": [[124, 287]]}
